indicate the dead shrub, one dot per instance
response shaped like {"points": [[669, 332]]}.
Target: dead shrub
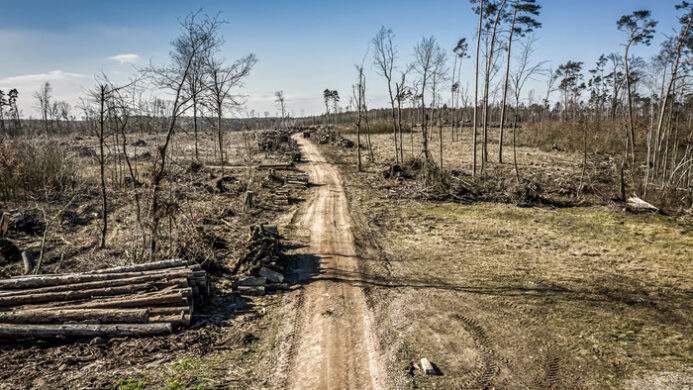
{"points": [[37, 169]]}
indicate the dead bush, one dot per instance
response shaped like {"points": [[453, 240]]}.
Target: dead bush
{"points": [[37, 169]]}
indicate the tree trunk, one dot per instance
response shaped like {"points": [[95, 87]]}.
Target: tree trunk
{"points": [[505, 87], [476, 86], [197, 155], [631, 131], [487, 84], [394, 118], [95, 316], [102, 168], [83, 330]]}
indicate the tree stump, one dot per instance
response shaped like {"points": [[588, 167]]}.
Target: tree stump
{"points": [[248, 200], [29, 262]]}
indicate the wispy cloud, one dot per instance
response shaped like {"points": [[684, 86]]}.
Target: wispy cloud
{"points": [[126, 58], [54, 75]]}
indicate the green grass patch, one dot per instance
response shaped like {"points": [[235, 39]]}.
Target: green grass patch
{"points": [[130, 384]]}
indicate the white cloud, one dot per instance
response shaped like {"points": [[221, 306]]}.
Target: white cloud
{"points": [[66, 86], [54, 75], [127, 58]]}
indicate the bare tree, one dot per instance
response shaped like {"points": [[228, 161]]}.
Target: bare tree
{"points": [[173, 78], [281, 102], [684, 38], [460, 50], [43, 102], [384, 57], [480, 11], [640, 29], [438, 73], [402, 94], [222, 79], [496, 11], [195, 82], [522, 22], [359, 97], [424, 61], [524, 72], [102, 96]]}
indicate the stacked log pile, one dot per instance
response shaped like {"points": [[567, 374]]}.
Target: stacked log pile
{"points": [[144, 299]]}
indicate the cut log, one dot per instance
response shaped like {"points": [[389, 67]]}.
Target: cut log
{"points": [[84, 330], [144, 267], [173, 298], [175, 319], [252, 281], [56, 280], [159, 279], [18, 300], [169, 310], [251, 290], [95, 316], [289, 166], [637, 205]]}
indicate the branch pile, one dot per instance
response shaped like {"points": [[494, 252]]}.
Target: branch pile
{"points": [[325, 135], [279, 142], [259, 267], [139, 300]]}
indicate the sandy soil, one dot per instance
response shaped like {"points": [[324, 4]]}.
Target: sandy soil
{"points": [[330, 338]]}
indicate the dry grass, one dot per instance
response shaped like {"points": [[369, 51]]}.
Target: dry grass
{"points": [[34, 168], [523, 298], [205, 221]]}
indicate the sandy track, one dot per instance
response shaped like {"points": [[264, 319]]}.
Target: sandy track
{"points": [[332, 346]]}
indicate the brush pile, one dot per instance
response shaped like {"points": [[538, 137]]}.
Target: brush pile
{"points": [[279, 142], [418, 179], [139, 300], [258, 270], [326, 135]]}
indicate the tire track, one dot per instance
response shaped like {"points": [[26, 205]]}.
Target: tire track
{"points": [[490, 368]]}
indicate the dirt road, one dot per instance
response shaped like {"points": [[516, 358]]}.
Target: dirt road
{"points": [[331, 342]]}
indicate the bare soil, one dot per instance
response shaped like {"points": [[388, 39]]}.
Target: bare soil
{"points": [[329, 340]]}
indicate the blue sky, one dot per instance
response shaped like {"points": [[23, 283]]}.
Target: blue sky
{"points": [[303, 46]]}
